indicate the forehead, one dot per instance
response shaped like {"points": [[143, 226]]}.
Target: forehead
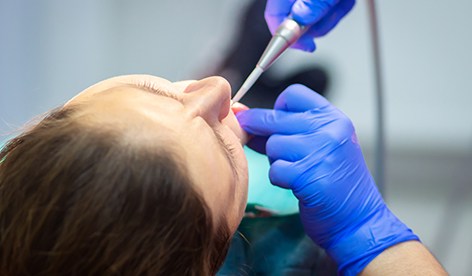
{"points": [[125, 104], [152, 120], [128, 80], [128, 112]]}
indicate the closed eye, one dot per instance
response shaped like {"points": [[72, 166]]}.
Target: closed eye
{"points": [[229, 151]]}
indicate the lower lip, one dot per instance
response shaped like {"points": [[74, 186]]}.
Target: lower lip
{"points": [[238, 107]]}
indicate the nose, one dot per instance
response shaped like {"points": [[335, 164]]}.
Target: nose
{"points": [[209, 98]]}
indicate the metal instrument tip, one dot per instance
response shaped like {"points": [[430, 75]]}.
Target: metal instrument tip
{"points": [[255, 74]]}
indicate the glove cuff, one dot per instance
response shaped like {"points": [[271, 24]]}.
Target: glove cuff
{"points": [[354, 251]]}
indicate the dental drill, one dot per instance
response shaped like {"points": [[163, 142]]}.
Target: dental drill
{"points": [[285, 36]]}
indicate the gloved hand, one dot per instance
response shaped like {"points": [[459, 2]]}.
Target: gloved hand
{"points": [[324, 14], [313, 150]]}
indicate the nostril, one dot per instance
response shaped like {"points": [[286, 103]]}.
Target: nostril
{"points": [[210, 98], [181, 86], [194, 86]]}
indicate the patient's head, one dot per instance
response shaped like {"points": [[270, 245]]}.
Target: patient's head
{"points": [[134, 175]]}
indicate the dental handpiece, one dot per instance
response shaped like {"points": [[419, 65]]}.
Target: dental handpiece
{"points": [[285, 36]]}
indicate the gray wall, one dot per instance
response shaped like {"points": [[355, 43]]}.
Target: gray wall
{"points": [[52, 49]]}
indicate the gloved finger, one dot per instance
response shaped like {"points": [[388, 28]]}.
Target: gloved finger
{"points": [[265, 122], [273, 22], [290, 175], [276, 11], [305, 43], [279, 7], [307, 12], [295, 147], [258, 144], [331, 19], [283, 173], [299, 98]]}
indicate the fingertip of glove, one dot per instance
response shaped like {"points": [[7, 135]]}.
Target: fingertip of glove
{"points": [[245, 117], [241, 115], [306, 44]]}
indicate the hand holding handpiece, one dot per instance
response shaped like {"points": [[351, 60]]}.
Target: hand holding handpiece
{"points": [[295, 24], [314, 151], [320, 15]]}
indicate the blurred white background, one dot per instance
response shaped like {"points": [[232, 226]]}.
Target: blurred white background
{"points": [[52, 49]]}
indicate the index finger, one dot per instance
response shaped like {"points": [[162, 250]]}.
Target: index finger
{"points": [[276, 11], [265, 122], [308, 12]]}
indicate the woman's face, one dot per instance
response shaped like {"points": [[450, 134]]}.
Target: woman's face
{"points": [[195, 116]]}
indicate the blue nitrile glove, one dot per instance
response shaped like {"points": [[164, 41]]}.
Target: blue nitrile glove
{"points": [[323, 14], [314, 151]]}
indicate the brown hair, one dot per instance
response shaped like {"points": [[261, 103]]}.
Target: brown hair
{"points": [[74, 200]]}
